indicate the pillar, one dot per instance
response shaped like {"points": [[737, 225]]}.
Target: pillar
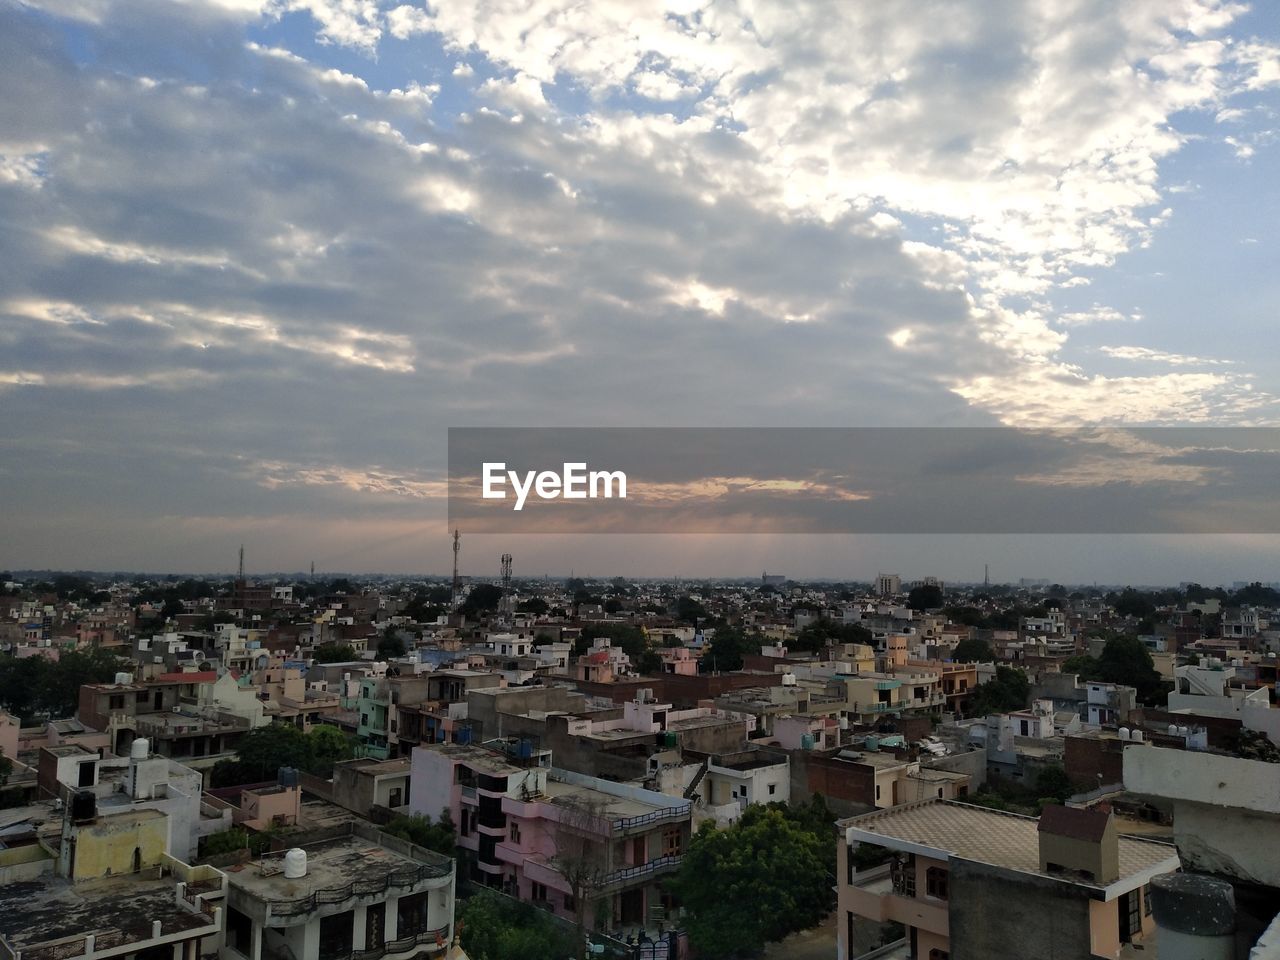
{"points": [[1196, 916]]}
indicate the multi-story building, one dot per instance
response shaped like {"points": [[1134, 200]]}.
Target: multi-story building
{"points": [[552, 836], [968, 881], [361, 893]]}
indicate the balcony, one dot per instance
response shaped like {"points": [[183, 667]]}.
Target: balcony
{"points": [[874, 895], [288, 910], [640, 873]]}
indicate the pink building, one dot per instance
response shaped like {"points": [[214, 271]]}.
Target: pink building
{"points": [[680, 661], [528, 825]]}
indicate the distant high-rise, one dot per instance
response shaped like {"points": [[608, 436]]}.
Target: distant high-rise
{"points": [[888, 584]]}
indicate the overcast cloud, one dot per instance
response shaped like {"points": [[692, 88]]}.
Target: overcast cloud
{"points": [[256, 257]]}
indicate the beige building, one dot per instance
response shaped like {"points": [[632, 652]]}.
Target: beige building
{"points": [[967, 881]]}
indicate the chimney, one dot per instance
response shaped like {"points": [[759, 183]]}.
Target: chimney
{"points": [[1082, 842]]}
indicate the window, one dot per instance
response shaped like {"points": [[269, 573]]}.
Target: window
{"points": [[570, 904], [411, 915], [537, 892], [877, 791], [671, 842], [936, 954], [935, 879], [1146, 901], [141, 697], [336, 935], [515, 833], [773, 788], [116, 702]]}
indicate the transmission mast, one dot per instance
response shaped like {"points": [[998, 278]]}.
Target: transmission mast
{"points": [[457, 581], [506, 574], [240, 574]]}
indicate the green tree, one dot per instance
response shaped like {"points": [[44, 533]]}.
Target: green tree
{"points": [[482, 598], [728, 876], [1010, 690], [816, 636], [391, 645], [261, 753], [535, 605], [1052, 782], [649, 664], [690, 610], [495, 927], [1126, 660], [973, 650], [327, 745], [927, 596], [332, 652], [419, 829], [228, 841], [727, 648]]}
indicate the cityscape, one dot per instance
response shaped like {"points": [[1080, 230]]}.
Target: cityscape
{"points": [[639, 480]]}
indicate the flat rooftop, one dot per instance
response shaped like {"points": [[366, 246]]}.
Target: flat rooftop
{"points": [[606, 805], [1001, 839], [116, 910], [378, 768], [478, 758], [330, 864]]}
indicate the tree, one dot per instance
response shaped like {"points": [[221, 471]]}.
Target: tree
{"points": [[482, 598], [260, 755], [650, 663], [495, 927], [1009, 690], [332, 652], [728, 876], [1053, 783], [580, 856], [391, 645], [690, 610], [327, 745], [816, 636], [1126, 660], [535, 605], [973, 650], [419, 829], [927, 596], [726, 650]]}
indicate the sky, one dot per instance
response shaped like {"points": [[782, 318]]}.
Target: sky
{"points": [[257, 256]]}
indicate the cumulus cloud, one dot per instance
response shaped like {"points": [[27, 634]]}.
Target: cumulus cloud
{"points": [[643, 211]]}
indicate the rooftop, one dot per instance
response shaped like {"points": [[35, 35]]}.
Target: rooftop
{"points": [[360, 855], [990, 836], [116, 909]]}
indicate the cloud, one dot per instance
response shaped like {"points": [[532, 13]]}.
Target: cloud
{"points": [[1159, 356]]}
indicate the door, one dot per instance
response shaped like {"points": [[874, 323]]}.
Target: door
{"points": [[1130, 906], [632, 907]]}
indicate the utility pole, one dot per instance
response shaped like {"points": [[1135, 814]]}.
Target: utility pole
{"points": [[457, 581]]}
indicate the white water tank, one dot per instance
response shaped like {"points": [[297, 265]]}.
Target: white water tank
{"points": [[122, 678], [1124, 733], [140, 749], [295, 864], [1183, 731], [1137, 736], [1173, 729], [844, 723]]}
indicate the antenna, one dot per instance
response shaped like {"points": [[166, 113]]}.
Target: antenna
{"points": [[986, 575], [457, 582], [506, 574], [313, 569], [241, 575]]}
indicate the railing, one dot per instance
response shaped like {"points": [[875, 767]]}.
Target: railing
{"points": [[640, 871], [438, 938], [647, 819], [359, 888]]}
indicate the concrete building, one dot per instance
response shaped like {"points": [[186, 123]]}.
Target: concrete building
{"points": [[360, 892], [360, 785], [532, 830], [968, 882], [104, 887]]}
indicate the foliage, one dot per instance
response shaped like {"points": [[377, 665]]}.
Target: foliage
{"points": [[495, 927], [229, 841], [1127, 660], [1010, 690], [1251, 745], [1052, 782], [650, 663], [263, 751], [419, 829], [727, 875], [973, 650], [332, 652], [627, 637], [927, 596], [535, 605], [35, 686], [391, 645], [482, 598], [727, 648], [690, 610], [816, 636]]}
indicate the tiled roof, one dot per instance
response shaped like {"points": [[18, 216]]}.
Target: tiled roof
{"points": [[992, 836]]}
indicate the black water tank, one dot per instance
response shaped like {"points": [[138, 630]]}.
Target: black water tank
{"points": [[84, 806]]}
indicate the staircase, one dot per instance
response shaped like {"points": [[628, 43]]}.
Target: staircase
{"points": [[691, 790]]}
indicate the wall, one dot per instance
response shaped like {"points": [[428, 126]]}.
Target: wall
{"points": [[106, 846], [1000, 915], [973, 763]]}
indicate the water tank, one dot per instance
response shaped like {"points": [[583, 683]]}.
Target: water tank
{"points": [[124, 678], [1173, 730], [1183, 731], [140, 749], [844, 723], [287, 776], [524, 749], [807, 742], [295, 864], [84, 806], [871, 743], [1124, 733], [1137, 736]]}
